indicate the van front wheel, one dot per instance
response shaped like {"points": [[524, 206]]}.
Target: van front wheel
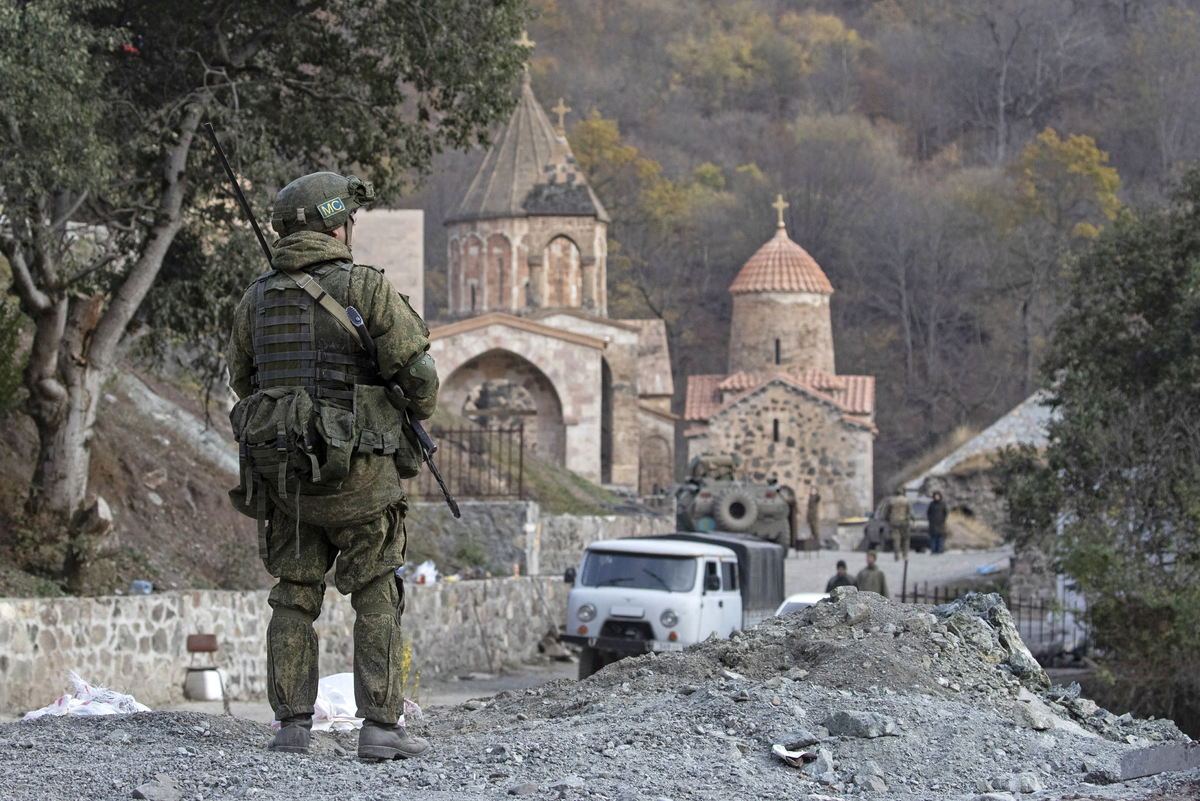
{"points": [[590, 661]]}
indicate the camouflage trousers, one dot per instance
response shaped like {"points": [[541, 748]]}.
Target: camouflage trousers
{"points": [[900, 539], [367, 557]]}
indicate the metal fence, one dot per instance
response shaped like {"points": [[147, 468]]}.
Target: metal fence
{"points": [[481, 464], [1049, 627]]}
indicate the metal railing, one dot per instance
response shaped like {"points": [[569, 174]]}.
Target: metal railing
{"points": [[1047, 626], [478, 463]]}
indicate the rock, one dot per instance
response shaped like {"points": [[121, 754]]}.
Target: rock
{"points": [[1032, 715], [991, 609], [875, 784], [119, 737], [164, 788], [921, 622], [566, 783], [994, 797], [1024, 783], [474, 705], [822, 769], [528, 788], [1101, 776], [798, 739], [842, 592], [687, 689], [859, 724], [629, 795], [857, 613], [795, 674], [1159, 759]]}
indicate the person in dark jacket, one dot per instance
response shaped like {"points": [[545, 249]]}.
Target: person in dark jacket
{"points": [[841, 579], [936, 514]]}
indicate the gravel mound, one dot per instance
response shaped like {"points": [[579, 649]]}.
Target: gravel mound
{"points": [[887, 701]]}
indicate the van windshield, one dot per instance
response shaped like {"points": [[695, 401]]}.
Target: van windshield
{"points": [[639, 571]]}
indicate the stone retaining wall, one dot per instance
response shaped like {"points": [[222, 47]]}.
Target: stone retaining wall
{"points": [[561, 539], [516, 532], [137, 644]]}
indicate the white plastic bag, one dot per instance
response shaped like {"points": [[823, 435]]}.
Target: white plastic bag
{"points": [[334, 708], [89, 700], [426, 573]]}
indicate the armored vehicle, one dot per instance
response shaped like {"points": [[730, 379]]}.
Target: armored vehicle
{"points": [[714, 499]]}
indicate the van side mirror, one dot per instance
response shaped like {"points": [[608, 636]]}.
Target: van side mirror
{"points": [[712, 583], [569, 576]]}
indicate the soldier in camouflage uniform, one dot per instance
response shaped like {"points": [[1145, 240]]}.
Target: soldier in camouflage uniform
{"points": [[323, 449]]}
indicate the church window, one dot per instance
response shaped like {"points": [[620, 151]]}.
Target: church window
{"points": [[500, 283], [472, 297], [775, 426], [777, 351]]}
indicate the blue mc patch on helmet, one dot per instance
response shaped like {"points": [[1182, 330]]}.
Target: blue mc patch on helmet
{"points": [[330, 208]]}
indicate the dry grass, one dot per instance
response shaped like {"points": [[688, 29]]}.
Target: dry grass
{"points": [[970, 533], [949, 444]]}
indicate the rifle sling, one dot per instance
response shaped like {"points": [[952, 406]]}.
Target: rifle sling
{"points": [[310, 285]]}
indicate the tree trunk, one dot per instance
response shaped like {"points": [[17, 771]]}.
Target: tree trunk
{"points": [[64, 407]]}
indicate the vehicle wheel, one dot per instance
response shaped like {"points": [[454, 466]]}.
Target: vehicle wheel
{"points": [[590, 661], [735, 511]]}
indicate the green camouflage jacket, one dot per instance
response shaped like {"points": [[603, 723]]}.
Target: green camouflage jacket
{"points": [[401, 339]]}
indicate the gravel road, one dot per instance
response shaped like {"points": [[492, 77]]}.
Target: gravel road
{"points": [[890, 702]]}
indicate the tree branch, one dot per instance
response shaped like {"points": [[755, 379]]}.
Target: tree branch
{"points": [[145, 270], [35, 300]]}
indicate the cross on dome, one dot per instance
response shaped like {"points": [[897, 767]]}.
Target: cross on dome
{"points": [[561, 110], [779, 205]]}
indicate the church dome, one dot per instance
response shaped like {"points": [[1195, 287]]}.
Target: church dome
{"points": [[529, 171], [781, 266]]}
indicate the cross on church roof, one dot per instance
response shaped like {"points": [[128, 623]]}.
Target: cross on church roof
{"points": [[779, 205], [525, 41], [561, 110]]}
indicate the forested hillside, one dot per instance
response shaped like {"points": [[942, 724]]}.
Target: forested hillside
{"points": [[942, 162]]}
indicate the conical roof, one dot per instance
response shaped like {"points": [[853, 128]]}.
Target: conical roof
{"points": [[530, 170], [781, 266]]}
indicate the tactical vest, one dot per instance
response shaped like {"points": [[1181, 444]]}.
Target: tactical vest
{"points": [[287, 350], [318, 399]]}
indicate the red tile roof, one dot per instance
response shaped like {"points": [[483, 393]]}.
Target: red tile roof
{"points": [[854, 394], [703, 396], [781, 266]]}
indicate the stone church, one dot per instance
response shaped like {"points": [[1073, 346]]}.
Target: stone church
{"points": [[529, 334], [781, 405]]}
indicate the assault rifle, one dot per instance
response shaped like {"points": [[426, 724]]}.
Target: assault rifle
{"points": [[349, 319]]}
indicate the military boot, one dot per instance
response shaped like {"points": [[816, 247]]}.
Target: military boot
{"points": [[293, 735], [379, 741]]}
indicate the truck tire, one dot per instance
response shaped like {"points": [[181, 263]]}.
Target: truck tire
{"points": [[590, 661], [735, 511]]}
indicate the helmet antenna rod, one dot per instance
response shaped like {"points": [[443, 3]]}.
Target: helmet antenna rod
{"points": [[237, 190]]}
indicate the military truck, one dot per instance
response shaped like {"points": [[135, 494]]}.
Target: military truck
{"points": [[714, 499], [664, 593]]}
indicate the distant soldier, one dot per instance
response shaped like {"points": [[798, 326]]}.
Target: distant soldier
{"points": [[814, 512], [323, 449], [936, 515], [899, 517], [841, 579], [871, 578]]}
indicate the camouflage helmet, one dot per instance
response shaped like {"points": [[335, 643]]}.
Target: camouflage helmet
{"points": [[322, 201]]}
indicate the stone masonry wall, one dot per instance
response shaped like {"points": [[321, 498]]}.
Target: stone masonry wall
{"points": [[516, 531], [562, 538], [137, 644], [816, 446]]}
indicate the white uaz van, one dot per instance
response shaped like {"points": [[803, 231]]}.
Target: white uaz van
{"points": [[633, 596]]}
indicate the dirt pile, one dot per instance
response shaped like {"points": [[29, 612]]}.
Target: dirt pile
{"points": [[891, 701]]}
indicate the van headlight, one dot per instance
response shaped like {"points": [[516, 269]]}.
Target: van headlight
{"points": [[668, 618], [585, 612]]}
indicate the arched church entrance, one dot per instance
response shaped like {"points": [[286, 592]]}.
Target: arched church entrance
{"points": [[502, 389]]}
